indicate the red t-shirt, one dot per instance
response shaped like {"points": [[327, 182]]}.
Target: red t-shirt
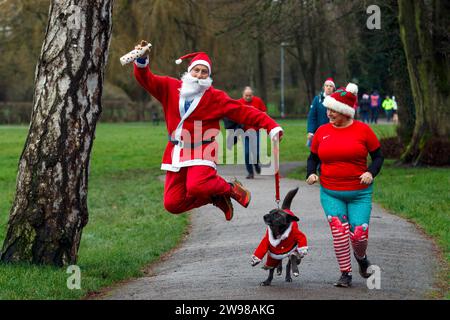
{"points": [[257, 103], [343, 154]]}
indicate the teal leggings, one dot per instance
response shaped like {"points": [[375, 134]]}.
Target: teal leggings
{"points": [[352, 206]]}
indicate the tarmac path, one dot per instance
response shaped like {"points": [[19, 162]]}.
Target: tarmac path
{"points": [[213, 262]]}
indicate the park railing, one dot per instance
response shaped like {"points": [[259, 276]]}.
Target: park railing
{"points": [[19, 112]]}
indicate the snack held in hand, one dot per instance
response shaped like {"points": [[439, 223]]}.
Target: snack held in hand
{"points": [[136, 53]]}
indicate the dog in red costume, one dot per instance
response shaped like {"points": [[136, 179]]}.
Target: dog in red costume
{"points": [[283, 239]]}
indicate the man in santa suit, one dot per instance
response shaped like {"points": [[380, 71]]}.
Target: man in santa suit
{"points": [[251, 137], [192, 110]]}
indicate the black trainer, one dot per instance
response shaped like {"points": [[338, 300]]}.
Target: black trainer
{"points": [[363, 265], [344, 281]]}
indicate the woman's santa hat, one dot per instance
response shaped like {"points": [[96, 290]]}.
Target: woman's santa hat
{"points": [[330, 81], [343, 100], [197, 58]]}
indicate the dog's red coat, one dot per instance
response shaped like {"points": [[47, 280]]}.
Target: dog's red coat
{"points": [[295, 238]]}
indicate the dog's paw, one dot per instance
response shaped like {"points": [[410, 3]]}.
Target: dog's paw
{"points": [[265, 283], [295, 274], [288, 279], [254, 261], [279, 269]]}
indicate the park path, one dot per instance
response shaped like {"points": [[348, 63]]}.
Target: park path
{"points": [[213, 262]]}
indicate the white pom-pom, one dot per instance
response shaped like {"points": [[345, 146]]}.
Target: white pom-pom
{"points": [[178, 61], [353, 88]]}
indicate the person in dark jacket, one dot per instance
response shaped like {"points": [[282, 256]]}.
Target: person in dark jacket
{"points": [[375, 104], [364, 108], [317, 115]]}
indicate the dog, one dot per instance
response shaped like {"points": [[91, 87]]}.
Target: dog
{"points": [[283, 239]]}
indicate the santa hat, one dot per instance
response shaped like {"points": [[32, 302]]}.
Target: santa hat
{"points": [[343, 100], [197, 58], [329, 81]]}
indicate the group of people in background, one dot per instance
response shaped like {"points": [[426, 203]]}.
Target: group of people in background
{"points": [[370, 106], [367, 108]]}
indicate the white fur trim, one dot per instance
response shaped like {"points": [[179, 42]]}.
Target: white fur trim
{"points": [[178, 61], [169, 167], [189, 163], [338, 106], [303, 250], [329, 82], [353, 88], [142, 65], [275, 242], [197, 62], [274, 132], [282, 256], [176, 163]]}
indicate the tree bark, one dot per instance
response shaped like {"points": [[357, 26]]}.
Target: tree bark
{"points": [[261, 65], [306, 44], [50, 206], [421, 28]]}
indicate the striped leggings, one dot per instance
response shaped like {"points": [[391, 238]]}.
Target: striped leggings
{"points": [[348, 213]]}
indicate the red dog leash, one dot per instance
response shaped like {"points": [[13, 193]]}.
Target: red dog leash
{"points": [[276, 155]]}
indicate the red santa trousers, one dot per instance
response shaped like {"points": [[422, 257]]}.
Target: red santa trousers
{"points": [[193, 187]]}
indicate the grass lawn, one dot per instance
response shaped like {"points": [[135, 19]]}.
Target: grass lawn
{"points": [[129, 228]]}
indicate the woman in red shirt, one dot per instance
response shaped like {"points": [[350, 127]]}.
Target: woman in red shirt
{"points": [[341, 147]]}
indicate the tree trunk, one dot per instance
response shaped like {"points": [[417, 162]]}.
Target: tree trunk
{"points": [[304, 68], [50, 206], [306, 43], [428, 69], [261, 66]]}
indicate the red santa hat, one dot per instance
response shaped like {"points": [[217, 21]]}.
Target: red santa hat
{"points": [[343, 100], [197, 58], [329, 81]]}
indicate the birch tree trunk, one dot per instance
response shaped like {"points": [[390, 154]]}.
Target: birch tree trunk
{"points": [[50, 206]]}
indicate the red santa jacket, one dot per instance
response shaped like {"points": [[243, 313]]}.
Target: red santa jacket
{"points": [[257, 103], [200, 122], [291, 240]]}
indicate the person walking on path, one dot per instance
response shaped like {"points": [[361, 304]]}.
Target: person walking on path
{"points": [[346, 182], [395, 111], [192, 110], [388, 106], [375, 102], [364, 108], [317, 115], [251, 136]]}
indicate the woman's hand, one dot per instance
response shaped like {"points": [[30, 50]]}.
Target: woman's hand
{"points": [[313, 178], [366, 178]]}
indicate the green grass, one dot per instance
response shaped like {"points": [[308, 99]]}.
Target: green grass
{"points": [[128, 226], [422, 196]]}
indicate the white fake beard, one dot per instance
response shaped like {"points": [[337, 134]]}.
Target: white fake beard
{"points": [[192, 86]]}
